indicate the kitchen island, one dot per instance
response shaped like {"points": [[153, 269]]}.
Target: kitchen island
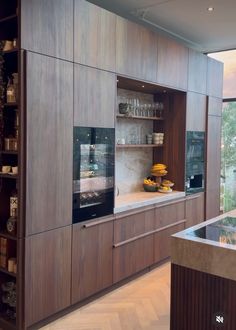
{"points": [[203, 275]]}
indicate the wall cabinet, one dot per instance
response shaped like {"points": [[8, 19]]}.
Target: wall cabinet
{"points": [[196, 112], [197, 72], [49, 143], [94, 36], [195, 209], [94, 97], [47, 274], [172, 62], [91, 259], [214, 106], [47, 27], [213, 167], [136, 50], [214, 77]]}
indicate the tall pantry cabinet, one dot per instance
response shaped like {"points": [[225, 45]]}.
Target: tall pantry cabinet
{"points": [[67, 54]]}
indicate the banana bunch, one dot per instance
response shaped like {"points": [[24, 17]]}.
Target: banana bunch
{"points": [[149, 182], [159, 170]]}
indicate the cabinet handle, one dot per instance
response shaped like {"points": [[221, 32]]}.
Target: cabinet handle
{"points": [[171, 203], [192, 197], [147, 234], [99, 222]]}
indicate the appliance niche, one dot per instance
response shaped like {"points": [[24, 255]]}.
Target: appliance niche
{"points": [[93, 172]]}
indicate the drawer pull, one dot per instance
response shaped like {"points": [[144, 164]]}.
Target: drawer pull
{"points": [[99, 222]]}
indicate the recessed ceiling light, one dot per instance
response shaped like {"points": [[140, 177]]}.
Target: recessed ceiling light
{"points": [[143, 86], [210, 9], [164, 90], [117, 80]]}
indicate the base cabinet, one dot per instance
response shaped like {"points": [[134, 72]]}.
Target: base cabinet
{"points": [[195, 209], [91, 259]]}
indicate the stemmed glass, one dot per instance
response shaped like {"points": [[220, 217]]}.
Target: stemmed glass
{"points": [[161, 108]]}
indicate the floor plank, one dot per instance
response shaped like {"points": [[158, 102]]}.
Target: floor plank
{"points": [[143, 304]]}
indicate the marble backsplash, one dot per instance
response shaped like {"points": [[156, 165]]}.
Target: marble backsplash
{"points": [[132, 164]]}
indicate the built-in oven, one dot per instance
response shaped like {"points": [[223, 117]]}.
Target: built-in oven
{"points": [[195, 162], [93, 172]]}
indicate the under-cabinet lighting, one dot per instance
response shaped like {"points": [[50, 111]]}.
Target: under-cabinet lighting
{"points": [[210, 9]]}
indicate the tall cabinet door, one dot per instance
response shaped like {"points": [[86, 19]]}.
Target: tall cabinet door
{"points": [[49, 106], [94, 97], [213, 161], [196, 112]]}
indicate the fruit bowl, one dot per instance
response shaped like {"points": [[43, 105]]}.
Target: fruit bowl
{"points": [[149, 187], [167, 184]]}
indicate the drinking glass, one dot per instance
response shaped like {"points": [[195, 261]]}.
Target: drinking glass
{"points": [[161, 108]]}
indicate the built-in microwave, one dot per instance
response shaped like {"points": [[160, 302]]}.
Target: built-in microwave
{"points": [[93, 172]]}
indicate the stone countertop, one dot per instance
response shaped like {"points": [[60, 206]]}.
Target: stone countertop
{"points": [[134, 200], [206, 255]]}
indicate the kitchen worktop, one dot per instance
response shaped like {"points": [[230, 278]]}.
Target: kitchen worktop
{"points": [[209, 247], [134, 200]]}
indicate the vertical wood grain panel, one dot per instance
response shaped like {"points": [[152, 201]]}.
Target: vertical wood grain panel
{"points": [[47, 27], [91, 259], [172, 63], [214, 77], [214, 106], [94, 97], [94, 36], [136, 50], [47, 274], [49, 143], [169, 214], [197, 72], [196, 112], [213, 166], [196, 297]]}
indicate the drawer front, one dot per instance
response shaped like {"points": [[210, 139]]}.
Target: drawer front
{"points": [[133, 225], [132, 257], [162, 241], [169, 214]]}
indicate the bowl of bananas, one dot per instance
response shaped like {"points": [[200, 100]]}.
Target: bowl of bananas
{"points": [[150, 185]]}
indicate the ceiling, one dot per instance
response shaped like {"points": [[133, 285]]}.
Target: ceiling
{"points": [[188, 21]]}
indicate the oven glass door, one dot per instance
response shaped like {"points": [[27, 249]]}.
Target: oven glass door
{"points": [[93, 173], [195, 147]]}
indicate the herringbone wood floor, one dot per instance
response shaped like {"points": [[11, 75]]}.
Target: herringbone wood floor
{"points": [[140, 304]]}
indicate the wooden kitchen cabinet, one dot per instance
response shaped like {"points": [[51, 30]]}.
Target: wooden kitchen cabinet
{"points": [[172, 61], [94, 97], [214, 106], [213, 167], [169, 213], [136, 50], [47, 281], [94, 36], [195, 209], [92, 245], [196, 112], [133, 243], [162, 241], [47, 27], [215, 70], [197, 72], [49, 143]]}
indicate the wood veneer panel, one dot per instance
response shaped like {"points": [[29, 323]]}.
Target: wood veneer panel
{"points": [[136, 50], [197, 297], [172, 63], [94, 97], [195, 209], [197, 72], [133, 225], [49, 143], [196, 112], [214, 106], [169, 214], [162, 242], [94, 36], [132, 257], [213, 166], [47, 274], [214, 77], [91, 259], [47, 27]]}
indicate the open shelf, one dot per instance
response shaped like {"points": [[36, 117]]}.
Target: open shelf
{"points": [[6, 152], [14, 50], [5, 271], [7, 324], [8, 236], [11, 104], [8, 176], [139, 117], [139, 145], [8, 18]]}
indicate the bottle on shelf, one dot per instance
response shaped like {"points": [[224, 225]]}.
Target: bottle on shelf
{"points": [[11, 224], [14, 203], [11, 92]]}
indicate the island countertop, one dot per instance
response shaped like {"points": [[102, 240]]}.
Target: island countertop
{"points": [[134, 200], [208, 247]]}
